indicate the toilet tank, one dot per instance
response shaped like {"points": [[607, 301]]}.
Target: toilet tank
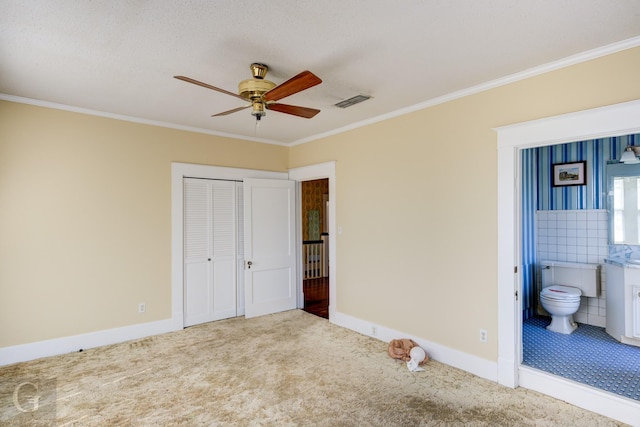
{"points": [[585, 277]]}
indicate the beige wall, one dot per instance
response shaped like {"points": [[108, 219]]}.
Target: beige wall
{"points": [[417, 202], [85, 227], [85, 217]]}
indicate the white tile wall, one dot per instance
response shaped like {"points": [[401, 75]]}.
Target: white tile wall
{"points": [[576, 236]]}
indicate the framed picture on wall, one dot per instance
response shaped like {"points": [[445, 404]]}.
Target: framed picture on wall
{"points": [[566, 174]]}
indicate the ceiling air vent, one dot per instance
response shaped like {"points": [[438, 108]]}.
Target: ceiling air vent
{"points": [[352, 101]]}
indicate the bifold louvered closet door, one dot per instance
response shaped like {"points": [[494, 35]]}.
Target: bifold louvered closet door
{"points": [[213, 262]]}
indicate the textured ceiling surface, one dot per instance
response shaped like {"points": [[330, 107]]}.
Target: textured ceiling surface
{"points": [[119, 56]]}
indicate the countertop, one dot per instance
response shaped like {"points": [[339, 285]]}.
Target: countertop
{"points": [[623, 262]]}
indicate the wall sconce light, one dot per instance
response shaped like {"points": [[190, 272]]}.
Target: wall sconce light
{"points": [[629, 156]]}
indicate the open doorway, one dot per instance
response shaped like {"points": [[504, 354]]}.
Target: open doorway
{"points": [[302, 174], [609, 121], [314, 202], [568, 226]]}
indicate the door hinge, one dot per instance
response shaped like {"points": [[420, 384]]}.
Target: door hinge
{"points": [[516, 295], [515, 269]]}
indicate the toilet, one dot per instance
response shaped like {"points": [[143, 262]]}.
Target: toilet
{"points": [[563, 284]]}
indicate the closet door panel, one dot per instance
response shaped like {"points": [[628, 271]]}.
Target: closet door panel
{"points": [[224, 296], [197, 294], [223, 196], [197, 274], [209, 250]]}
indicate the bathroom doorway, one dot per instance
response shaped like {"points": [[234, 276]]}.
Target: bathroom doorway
{"points": [[613, 120], [570, 224]]}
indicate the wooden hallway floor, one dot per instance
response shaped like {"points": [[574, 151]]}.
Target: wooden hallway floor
{"points": [[316, 296]]}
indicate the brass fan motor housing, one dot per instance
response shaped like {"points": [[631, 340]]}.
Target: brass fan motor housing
{"points": [[252, 89]]}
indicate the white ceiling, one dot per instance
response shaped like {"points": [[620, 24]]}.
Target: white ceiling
{"points": [[119, 56]]}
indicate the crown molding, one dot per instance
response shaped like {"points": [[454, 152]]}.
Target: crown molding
{"points": [[502, 81], [64, 107], [522, 75]]}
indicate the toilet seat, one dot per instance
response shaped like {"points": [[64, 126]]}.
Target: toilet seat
{"points": [[561, 293]]}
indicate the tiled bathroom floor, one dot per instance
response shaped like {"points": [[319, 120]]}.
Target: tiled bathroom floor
{"points": [[589, 356]]}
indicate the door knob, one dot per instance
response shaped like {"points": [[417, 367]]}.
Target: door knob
{"points": [[249, 264]]}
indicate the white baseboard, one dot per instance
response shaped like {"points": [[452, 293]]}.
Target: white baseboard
{"points": [[481, 367], [54, 347], [601, 402]]}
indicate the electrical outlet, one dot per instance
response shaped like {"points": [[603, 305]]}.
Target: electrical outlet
{"points": [[374, 330], [483, 335], [142, 307]]}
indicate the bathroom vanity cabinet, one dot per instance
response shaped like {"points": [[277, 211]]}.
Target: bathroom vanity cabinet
{"points": [[623, 301]]}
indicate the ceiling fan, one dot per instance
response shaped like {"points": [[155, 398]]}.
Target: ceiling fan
{"points": [[263, 94]]}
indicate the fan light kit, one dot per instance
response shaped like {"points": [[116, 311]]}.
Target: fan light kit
{"points": [[262, 94]]}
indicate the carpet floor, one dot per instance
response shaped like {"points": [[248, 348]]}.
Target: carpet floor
{"points": [[286, 369]]}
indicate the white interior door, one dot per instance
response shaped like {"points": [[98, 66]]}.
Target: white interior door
{"points": [[210, 254], [269, 246]]}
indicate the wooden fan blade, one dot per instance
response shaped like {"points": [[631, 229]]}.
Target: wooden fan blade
{"points": [[208, 86], [305, 112], [295, 84], [225, 113]]}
